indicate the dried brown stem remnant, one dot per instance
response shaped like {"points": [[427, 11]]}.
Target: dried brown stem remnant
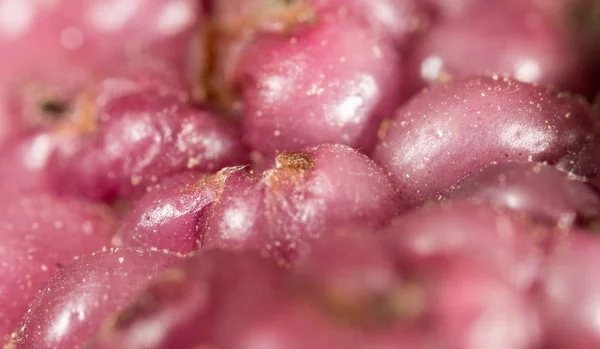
{"points": [[295, 161], [290, 169]]}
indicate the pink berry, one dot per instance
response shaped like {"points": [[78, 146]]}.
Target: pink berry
{"points": [[26, 160], [279, 211], [53, 49], [293, 325], [39, 234], [501, 38], [346, 50], [538, 191], [190, 302], [172, 214], [302, 198], [470, 306], [568, 293], [398, 19], [494, 238], [349, 267], [449, 301], [449, 131], [333, 77], [78, 297], [132, 133], [79, 41]]}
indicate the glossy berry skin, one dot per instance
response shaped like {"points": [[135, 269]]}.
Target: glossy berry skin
{"points": [[461, 292], [301, 199], [292, 324], [396, 19], [79, 40], [568, 293], [437, 301], [279, 211], [132, 133], [37, 106], [400, 20], [348, 267], [332, 76], [356, 294], [240, 31], [78, 297], [39, 234], [538, 191], [175, 213], [191, 301], [172, 214], [122, 136], [504, 38], [491, 237], [25, 160], [448, 132]]}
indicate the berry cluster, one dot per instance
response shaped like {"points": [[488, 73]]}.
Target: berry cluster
{"points": [[295, 174]]}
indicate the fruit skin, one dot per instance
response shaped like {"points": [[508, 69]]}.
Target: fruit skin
{"points": [[473, 307], [504, 38], [436, 302], [304, 197], [579, 19], [449, 131], [9, 124], [79, 296], [400, 20], [294, 325], [81, 42], [443, 9], [332, 76], [540, 192], [192, 300], [219, 293], [121, 136], [25, 160], [39, 234], [567, 293], [396, 19], [500, 240], [348, 267], [130, 133], [280, 211], [172, 214]]}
